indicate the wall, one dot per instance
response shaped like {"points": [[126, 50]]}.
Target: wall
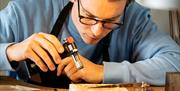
{"points": [[161, 18], [3, 3]]}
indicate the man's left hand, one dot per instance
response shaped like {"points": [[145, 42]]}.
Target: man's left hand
{"points": [[91, 73]]}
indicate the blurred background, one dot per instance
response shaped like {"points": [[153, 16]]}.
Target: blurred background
{"points": [[3, 3]]}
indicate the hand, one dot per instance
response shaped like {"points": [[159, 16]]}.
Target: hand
{"points": [[37, 47], [90, 72]]}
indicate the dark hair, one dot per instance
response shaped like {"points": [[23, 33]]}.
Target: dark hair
{"points": [[119, 0], [128, 1]]}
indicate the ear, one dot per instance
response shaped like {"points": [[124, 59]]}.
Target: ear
{"points": [[72, 0]]}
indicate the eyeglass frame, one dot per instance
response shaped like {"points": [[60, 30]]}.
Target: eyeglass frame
{"points": [[98, 20]]}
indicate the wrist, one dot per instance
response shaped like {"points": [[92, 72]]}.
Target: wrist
{"points": [[101, 75], [9, 52]]}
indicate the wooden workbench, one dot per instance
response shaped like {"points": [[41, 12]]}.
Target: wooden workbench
{"points": [[8, 83]]}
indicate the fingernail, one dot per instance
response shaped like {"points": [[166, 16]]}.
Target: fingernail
{"points": [[61, 50], [58, 61], [53, 68], [58, 74], [45, 69]]}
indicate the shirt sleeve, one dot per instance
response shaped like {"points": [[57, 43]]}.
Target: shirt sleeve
{"points": [[4, 62], [153, 53], [7, 25], [21, 18]]}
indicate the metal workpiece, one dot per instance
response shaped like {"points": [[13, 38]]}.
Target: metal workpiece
{"points": [[77, 61]]}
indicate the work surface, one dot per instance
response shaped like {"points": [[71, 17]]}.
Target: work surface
{"points": [[7, 83], [11, 84]]}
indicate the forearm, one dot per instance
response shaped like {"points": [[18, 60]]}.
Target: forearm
{"points": [[116, 72], [152, 70], [4, 62], [12, 52], [130, 73]]}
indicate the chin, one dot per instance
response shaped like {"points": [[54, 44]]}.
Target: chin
{"points": [[91, 42]]}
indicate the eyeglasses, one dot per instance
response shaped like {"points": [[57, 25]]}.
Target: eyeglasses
{"points": [[107, 24]]}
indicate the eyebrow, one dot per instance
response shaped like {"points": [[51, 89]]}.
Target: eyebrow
{"points": [[94, 16]]}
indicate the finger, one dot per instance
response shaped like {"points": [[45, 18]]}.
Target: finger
{"points": [[37, 61], [70, 69], [54, 41], [40, 52], [62, 65], [49, 47], [76, 77]]}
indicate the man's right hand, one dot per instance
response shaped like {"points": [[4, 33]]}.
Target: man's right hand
{"points": [[37, 47]]}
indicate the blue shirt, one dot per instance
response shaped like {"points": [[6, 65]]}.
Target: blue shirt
{"points": [[138, 50]]}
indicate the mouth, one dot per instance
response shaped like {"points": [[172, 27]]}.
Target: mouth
{"points": [[91, 37]]}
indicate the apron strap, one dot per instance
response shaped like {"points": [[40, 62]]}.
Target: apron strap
{"points": [[61, 19]]}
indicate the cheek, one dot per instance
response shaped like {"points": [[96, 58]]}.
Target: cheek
{"points": [[106, 33], [80, 27]]}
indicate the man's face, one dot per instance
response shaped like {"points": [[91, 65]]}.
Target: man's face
{"points": [[103, 13]]}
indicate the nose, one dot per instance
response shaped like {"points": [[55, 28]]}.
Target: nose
{"points": [[97, 29]]}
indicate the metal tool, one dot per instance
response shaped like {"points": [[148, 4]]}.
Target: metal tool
{"points": [[71, 47]]}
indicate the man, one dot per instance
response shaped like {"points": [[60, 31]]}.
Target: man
{"points": [[137, 50]]}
